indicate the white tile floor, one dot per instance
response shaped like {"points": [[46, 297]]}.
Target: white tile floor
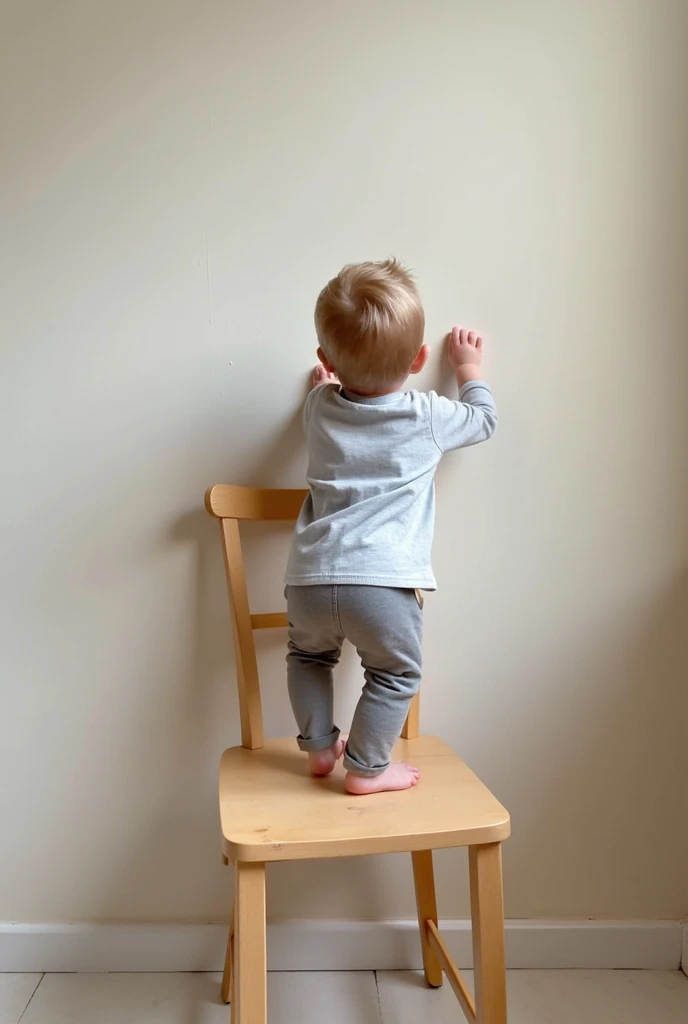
{"points": [[388, 997]]}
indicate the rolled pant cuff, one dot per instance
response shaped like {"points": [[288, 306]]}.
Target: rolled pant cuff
{"points": [[360, 769], [319, 743]]}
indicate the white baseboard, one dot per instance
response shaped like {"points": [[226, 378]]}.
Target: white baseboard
{"points": [[333, 945]]}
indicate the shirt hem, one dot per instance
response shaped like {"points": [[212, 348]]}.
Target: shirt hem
{"points": [[331, 579]]}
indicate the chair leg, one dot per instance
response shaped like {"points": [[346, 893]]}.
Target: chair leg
{"points": [[487, 912], [426, 901], [250, 982], [228, 974]]}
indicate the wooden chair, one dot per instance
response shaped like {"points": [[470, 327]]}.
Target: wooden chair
{"points": [[272, 810]]}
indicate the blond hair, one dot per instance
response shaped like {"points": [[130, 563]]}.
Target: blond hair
{"points": [[369, 320]]}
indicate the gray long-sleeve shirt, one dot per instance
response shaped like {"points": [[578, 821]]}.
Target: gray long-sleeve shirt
{"points": [[370, 514]]}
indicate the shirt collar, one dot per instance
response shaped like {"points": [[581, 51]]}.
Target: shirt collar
{"points": [[394, 396]]}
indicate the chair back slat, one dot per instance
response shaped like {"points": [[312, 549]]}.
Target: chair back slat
{"points": [[271, 620], [227, 502], [230, 505], [250, 707], [411, 728]]}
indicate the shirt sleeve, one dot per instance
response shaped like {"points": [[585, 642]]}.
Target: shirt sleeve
{"points": [[469, 421], [315, 395], [309, 404], [307, 409]]}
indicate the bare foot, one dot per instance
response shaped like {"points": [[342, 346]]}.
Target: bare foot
{"points": [[397, 776], [322, 762]]}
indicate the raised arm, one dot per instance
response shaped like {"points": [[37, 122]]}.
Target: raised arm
{"points": [[474, 417]]}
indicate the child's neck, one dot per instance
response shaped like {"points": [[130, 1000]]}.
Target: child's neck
{"points": [[376, 394]]}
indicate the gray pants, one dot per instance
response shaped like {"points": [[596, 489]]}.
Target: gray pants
{"points": [[385, 624]]}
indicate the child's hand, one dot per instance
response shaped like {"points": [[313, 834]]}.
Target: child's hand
{"points": [[321, 376], [465, 354], [464, 347]]}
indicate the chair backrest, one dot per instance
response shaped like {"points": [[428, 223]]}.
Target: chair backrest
{"points": [[231, 505]]}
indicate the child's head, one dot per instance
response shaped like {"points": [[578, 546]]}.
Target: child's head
{"points": [[369, 321]]}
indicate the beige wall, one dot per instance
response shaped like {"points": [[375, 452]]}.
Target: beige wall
{"points": [[178, 180]]}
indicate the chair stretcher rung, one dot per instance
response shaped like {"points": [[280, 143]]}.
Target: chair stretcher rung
{"points": [[453, 975], [270, 621]]}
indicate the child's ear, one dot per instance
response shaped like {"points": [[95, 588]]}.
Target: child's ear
{"points": [[325, 361], [421, 359]]}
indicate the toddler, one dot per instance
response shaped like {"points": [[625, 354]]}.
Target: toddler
{"points": [[361, 549]]}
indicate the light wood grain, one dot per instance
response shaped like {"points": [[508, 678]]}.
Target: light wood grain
{"points": [[412, 724], [426, 902], [225, 501], [271, 620], [250, 985], [250, 708], [271, 809], [228, 972], [487, 913], [457, 983]]}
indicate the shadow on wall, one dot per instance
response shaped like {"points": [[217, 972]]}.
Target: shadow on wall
{"points": [[161, 857], [590, 758], [182, 839], [186, 709]]}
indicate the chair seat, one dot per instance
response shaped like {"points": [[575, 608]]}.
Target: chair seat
{"points": [[272, 809]]}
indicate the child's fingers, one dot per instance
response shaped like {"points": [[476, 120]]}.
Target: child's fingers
{"points": [[462, 336]]}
